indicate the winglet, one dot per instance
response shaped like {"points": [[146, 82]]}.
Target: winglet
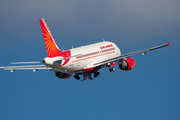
{"points": [[168, 43], [51, 46]]}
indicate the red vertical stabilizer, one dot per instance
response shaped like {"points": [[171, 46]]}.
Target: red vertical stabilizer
{"points": [[51, 46]]}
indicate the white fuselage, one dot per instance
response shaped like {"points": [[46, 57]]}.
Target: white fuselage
{"points": [[84, 57]]}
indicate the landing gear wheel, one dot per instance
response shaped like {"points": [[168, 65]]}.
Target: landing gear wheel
{"points": [[113, 69], [77, 77], [96, 74]]}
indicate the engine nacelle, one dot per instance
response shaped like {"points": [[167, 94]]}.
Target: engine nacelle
{"points": [[63, 75], [127, 64]]}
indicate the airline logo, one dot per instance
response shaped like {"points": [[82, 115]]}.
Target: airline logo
{"points": [[107, 46], [51, 46]]}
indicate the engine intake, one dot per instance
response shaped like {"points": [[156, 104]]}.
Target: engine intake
{"points": [[127, 64]]}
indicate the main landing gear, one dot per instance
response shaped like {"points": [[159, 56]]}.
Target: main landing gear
{"points": [[86, 75], [96, 74], [76, 76]]}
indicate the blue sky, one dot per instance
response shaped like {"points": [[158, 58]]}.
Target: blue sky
{"points": [[150, 91]]}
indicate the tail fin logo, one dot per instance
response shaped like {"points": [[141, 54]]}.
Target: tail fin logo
{"points": [[51, 46]]}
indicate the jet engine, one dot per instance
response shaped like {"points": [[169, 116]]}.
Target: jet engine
{"points": [[127, 64], [63, 75]]}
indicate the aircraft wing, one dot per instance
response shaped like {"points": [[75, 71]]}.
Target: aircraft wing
{"points": [[28, 67], [143, 52]]}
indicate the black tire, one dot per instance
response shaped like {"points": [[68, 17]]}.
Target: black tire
{"points": [[113, 69], [96, 74], [77, 77]]}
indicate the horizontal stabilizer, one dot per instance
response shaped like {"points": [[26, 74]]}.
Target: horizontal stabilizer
{"points": [[26, 62], [29, 67]]}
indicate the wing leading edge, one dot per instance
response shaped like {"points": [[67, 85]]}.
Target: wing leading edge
{"points": [[143, 52]]}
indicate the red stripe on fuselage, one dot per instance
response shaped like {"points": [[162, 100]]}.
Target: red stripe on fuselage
{"points": [[93, 56]]}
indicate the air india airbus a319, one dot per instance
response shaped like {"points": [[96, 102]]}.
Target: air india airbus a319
{"points": [[85, 60]]}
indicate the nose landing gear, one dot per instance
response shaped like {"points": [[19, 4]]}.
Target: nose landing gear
{"points": [[109, 65], [111, 69]]}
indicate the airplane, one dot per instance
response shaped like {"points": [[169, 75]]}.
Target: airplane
{"points": [[84, 60]]}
